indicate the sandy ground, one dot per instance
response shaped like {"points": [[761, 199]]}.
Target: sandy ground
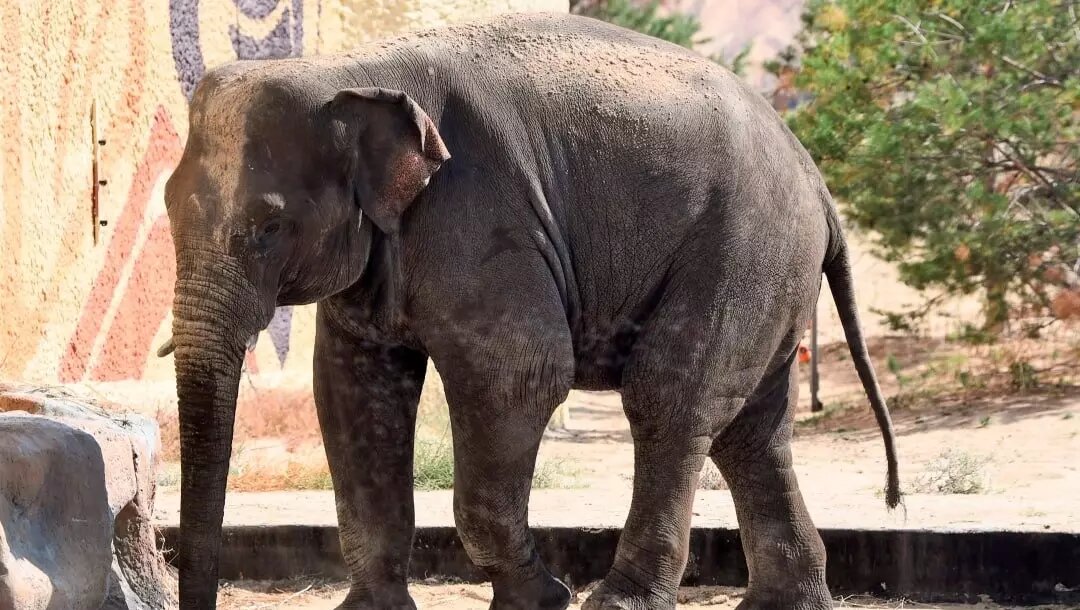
{"points": [[300, 595], [1029, 440], [1022, 448]]}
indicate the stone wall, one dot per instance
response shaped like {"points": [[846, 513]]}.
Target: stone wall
{"points": [[94, 118]]}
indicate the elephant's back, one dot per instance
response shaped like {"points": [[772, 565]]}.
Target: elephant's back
{"points": [[572, 62]]}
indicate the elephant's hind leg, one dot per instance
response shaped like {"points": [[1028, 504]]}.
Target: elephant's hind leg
{"points": [[784, 553], [654, 544], [689, 392], [676, 395]]}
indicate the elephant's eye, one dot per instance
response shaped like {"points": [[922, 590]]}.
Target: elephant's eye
{"points": [[268, 234], [271, 227]]}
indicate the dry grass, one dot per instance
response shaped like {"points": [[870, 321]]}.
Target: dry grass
{"points": [[301, 469], [919, 374], [711, 479], [286, 414], [1066, 305], [277, 444], [954, 472]]}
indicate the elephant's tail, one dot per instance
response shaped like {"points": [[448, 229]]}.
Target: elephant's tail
{"points": [[838, 271]]}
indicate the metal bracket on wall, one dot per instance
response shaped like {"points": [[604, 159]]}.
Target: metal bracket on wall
{"points": [[95, 193]]}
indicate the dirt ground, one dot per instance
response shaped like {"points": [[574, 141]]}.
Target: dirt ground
{"points": [[1013, 451], [301, 595], [1023, 443], [991, 456]]}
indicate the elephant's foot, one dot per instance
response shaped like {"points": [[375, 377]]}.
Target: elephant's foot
{"points": [[807, 596], [543, 592], [608, 597], [391, 598]]}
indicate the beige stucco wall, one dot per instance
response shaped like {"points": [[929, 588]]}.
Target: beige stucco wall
{"points": [[76, 310]]}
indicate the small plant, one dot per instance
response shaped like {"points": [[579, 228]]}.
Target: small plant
{"points": [[168, 475], [1067, 416], [902, 380], [969, 381], [894, 366], [910, 399], [984, 422], [433, 468], [711, 479], [433, 465], [953, 472], [551, 474], [817, 418], [965, 379], [1022, 375], [973, 335]]}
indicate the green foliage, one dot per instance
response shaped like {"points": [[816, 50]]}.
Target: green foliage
{"points": [[675, 27], [1022, 375], [972, 335], [949, 128], [894, 365], [969, 380], [898, 321], [736, 64], [827, 413], [433, 465]]}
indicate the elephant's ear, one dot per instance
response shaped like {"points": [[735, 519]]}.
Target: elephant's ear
{"points": [[393, 149]]}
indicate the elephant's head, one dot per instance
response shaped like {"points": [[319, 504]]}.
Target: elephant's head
{"points": [[282, 190]]}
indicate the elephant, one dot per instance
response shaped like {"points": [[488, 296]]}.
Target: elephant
{"points": [[535, 202]]}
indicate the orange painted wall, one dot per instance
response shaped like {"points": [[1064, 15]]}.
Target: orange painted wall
{"points": [[73, 310]]}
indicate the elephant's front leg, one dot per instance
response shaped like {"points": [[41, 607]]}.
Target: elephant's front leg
{"points": [[366, 395], [496, 437]]}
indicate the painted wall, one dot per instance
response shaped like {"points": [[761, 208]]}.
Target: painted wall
{"points": [[75, 308]]}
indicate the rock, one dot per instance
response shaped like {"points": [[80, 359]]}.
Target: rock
{"points": [[55, 546], [76, 499]]}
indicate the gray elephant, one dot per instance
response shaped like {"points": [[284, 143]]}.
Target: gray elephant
{"points": [[536, 203]]}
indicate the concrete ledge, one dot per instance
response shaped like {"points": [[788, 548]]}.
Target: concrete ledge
{"points": [[1018, 567]]}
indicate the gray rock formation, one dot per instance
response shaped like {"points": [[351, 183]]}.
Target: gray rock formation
{"points": [[76, 500]]}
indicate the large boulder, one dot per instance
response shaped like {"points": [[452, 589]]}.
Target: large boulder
{"points": [[76, 500]]}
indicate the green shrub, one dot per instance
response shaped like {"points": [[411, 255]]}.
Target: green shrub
{"points": [[948, 128]]}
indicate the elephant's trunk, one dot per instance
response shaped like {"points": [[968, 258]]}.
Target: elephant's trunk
{"points": [[215, 310]]}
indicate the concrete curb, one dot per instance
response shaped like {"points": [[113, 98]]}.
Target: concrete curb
{"points": [[1018, 567]]}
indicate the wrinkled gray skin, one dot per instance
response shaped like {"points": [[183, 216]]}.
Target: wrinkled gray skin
{"points": [[618, 213]]}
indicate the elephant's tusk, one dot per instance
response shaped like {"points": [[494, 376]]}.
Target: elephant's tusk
{"points": [[169, 346], [166, 348]]}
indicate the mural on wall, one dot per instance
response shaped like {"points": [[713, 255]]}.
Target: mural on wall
{"points": [[285, 38], [136, 279], [95, 117]]}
